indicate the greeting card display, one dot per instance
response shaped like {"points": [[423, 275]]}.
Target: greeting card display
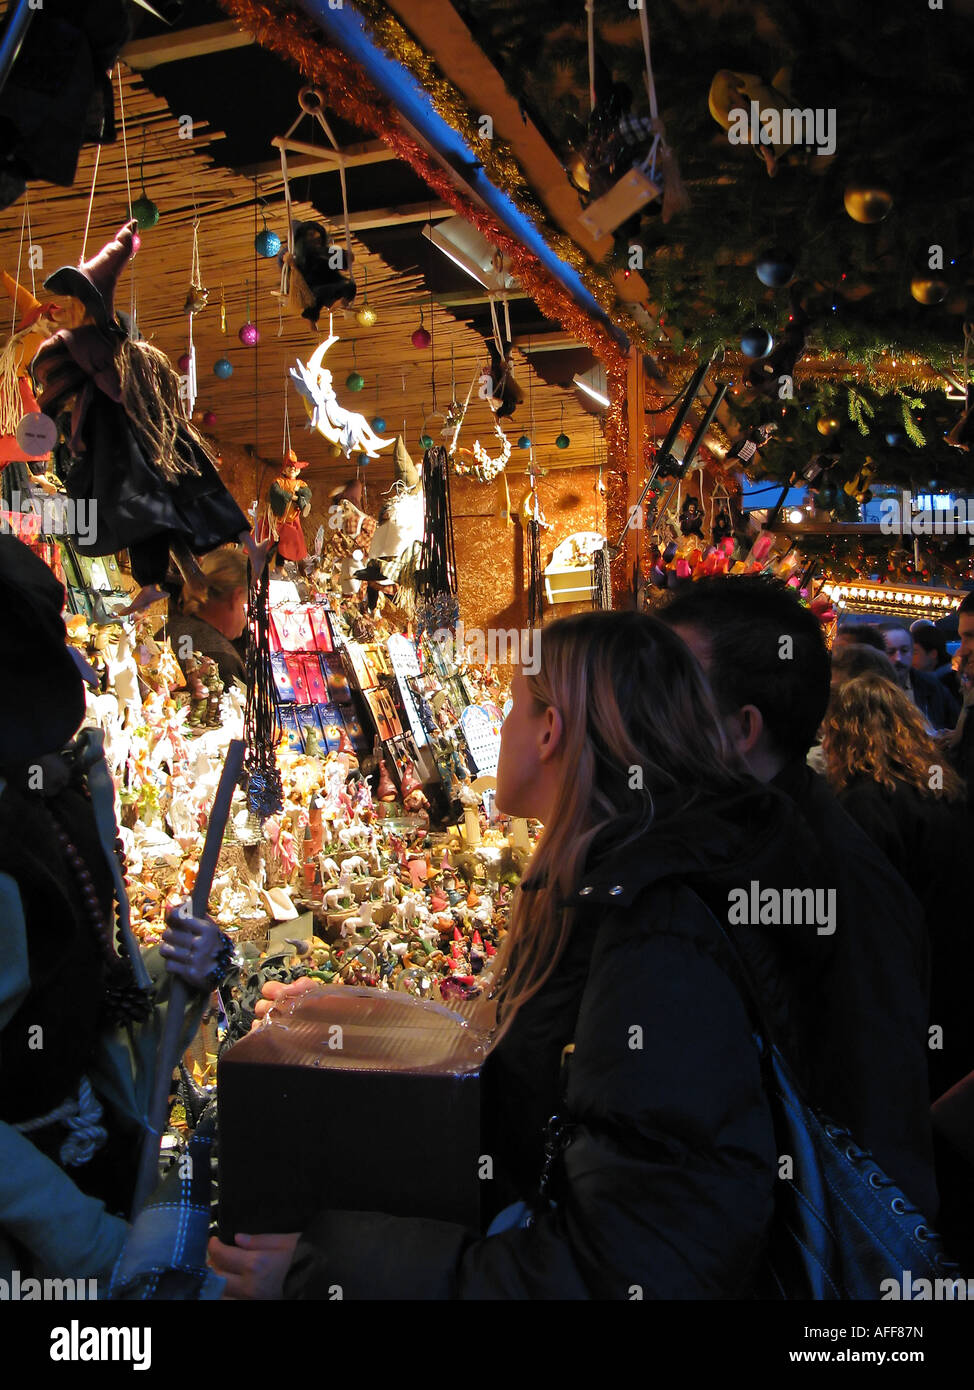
{"points": [[282, 680]]}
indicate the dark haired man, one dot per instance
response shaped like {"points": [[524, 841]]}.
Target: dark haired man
{"points": [[931, 696], [962, 745], [768, 665]]}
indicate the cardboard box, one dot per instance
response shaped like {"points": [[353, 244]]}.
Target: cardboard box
{"points": [[353, 1099]]}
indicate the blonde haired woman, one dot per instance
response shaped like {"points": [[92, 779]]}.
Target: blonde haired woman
{"points": [[662, 1165], [212, 621]]}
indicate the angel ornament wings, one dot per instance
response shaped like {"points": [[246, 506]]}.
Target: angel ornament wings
{"points": [[349, 430]]}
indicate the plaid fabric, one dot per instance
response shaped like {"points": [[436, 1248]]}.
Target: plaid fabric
{"points": [[636, 130], [165, 1254]]}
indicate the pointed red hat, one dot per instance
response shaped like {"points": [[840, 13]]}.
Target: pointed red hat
{"points": [[94, 281], [292, 459]]}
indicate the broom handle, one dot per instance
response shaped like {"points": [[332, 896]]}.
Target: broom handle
{"points": [[167, 1056]]}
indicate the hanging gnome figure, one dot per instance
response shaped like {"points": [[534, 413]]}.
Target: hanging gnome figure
{"points": [[26, 437], [136, 460], [399, 532], [288, 500]]}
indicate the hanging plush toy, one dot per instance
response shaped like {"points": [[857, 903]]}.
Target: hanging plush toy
{"points": [[316, 282], [135, 457], [288, 500], [497, 385]]}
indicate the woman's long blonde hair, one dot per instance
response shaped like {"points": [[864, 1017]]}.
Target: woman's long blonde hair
{"points": [[225, 571], [642, 738], [873, 730]]}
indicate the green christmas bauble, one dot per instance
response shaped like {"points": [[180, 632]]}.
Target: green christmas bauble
{"points": [[145, 213], [425, 441], [562, 442], [355, 381]]}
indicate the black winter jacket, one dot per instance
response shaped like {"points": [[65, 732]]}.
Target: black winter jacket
{"points": [[667, 1185]]}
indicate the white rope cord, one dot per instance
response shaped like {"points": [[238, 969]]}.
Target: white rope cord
{"points": [[91, 201], [650, 89], [30, 242], [20, 257]]}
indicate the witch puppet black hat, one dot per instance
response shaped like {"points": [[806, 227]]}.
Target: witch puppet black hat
{"points": [[42, 700], [94, 281], [406, 471]]}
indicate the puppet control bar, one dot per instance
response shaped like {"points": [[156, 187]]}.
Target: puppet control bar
{"points": [[666, 465]]}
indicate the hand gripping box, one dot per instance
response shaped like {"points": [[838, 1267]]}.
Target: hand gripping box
{"points": [[353, 1099]]}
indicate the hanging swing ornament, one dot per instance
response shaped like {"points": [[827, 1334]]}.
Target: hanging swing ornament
{"points": [[144, 210], [311, 281]]}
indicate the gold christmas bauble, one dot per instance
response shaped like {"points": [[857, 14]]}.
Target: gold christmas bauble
{"points": [[868, 204], [828, 425], [928, 289], [366, 317]]}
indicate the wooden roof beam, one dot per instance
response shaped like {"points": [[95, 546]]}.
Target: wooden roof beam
{"points": [[320, 160], [205, 39]]}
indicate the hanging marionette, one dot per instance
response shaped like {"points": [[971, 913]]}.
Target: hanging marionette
{"points": [[497, 385], [315, 281], [768, 374], [288, 500], [691, 517], [146, 469], [25, 434]]}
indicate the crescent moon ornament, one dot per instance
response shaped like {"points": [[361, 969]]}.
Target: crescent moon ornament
{"points": [[347, 429]]}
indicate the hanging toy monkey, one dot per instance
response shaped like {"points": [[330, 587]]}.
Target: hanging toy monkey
{"points": [[497, 385], [136, 458]]}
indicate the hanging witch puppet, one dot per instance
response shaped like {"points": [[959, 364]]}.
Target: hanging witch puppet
{"points": [[288, 500], [149, 473]]}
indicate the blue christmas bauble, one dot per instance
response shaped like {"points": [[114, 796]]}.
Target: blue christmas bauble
{"points": [[756, 342], [524, 442], [775, 269], [894, 438], [267, 243], [379, 425], [223, 368]]}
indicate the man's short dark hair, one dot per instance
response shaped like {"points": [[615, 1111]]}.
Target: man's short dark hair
{"points": [[967, 604], [745, 620], [864, 635]]}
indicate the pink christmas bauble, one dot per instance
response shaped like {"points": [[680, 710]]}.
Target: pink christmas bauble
{"points": [[209, 419], [249, 335], [184, 362], [422, 338]]}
